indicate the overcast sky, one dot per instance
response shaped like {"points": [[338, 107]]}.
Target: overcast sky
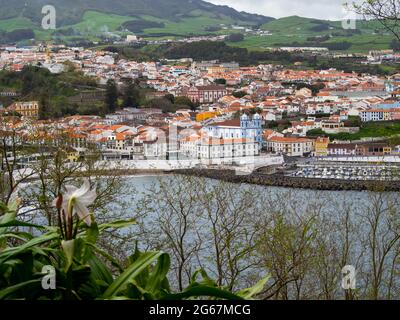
{"points": [[321, 9]]}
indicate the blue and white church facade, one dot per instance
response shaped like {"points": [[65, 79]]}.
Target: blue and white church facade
{"points": [[246, 127]]}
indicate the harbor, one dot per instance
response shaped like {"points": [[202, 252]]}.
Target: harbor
{"points": [[346, 171]]}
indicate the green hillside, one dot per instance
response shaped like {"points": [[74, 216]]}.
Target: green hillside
{"points": [[295, 25], [95, 24], [94, 20], [72, 11], [196, 23], [298, 31], [15, 23]]}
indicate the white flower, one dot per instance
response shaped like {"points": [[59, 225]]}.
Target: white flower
{"points": [[15, 201], [79, 200]]}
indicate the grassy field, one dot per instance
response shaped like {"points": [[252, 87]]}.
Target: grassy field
{"points": [[294, 25], [297, 31], [195, 24], [262, 42], [17, 23], [92, 25], [366, 42], [360, 43], [96, 22], [371, 130], [290, 31]]}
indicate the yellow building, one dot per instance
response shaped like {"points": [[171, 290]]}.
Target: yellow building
{"points": [[202, 116], [75, 156], [321, 147], [216, 69], [26, 109]]}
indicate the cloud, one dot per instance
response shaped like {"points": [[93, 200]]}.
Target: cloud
{"points": [[320, 9]]}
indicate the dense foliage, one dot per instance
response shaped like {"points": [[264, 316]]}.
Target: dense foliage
{"points": [[235, 37], [209, 50], [137, 26], [82, 270], [16, 35], [367, 130], [54, 90]]}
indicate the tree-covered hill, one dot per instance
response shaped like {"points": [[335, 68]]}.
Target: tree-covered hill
{"points": [[71, 11]]}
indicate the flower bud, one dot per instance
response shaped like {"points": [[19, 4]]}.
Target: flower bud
{"points": [[59, 201]]}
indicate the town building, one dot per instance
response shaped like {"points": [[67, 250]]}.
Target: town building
{"points": [[373, 149], [375, 115], [290, 146], [29, 109], [206, 94], [212, 148], [321, 147], [249, 127]]}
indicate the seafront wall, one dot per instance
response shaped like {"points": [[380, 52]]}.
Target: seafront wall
{"points": [[242, 164], [279, 180]]}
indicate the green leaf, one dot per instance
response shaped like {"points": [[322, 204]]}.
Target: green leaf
{"points": [[131, 272], [12, 235], [7, 218], [10, 252], [106, 255], [82, 251], [15, 223], [10, 290], [69, 249], [255, 290], [206, 279], [119, 224], [159, 274], [100, 271], [92, 233], [13, 206], [13, 262]]}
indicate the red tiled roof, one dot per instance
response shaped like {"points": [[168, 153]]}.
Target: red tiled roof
{"points": [[228, 123], [289, 139]]}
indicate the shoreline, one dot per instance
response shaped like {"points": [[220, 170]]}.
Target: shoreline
{"points": [[279, 180], [262, 179], [119, 173], [133, 173]]}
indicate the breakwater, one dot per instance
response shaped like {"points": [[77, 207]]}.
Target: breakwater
{"points": [[280, 180]]}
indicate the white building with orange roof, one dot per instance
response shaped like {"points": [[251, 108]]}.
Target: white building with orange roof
{"points": [[271, 115], [99, 134], [269, 133], [189, 145], [290, 146], [123, 128], [213, 148], [301, 127], [324, 96]]}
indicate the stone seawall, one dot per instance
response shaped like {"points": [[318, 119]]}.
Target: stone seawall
{"points": [[279, 180]]}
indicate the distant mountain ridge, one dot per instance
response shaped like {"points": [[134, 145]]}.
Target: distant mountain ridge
{"points": [[70, 12], [95, 21]]}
